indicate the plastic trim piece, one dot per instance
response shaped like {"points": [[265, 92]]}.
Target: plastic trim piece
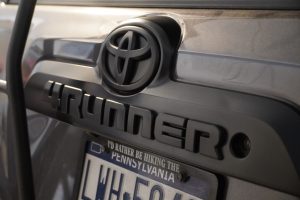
{"points": [[3, 86], [222, 4], [16, 108], [264, 123]]}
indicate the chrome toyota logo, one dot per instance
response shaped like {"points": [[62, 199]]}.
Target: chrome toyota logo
{"points": [[129, 59]]}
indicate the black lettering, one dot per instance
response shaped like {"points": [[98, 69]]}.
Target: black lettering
{"points": [[48, 88], [169, 129], [140, 122], [92, 108], [83, 197], [101, 189], [71, 101], [114, 115], [112, 190], [177, 196], [203, 138], [126, 196], [159, 190], [138, 181], [54, 92]]}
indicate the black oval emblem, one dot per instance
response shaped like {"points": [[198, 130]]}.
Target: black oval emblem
{"points": [[129, 59]]}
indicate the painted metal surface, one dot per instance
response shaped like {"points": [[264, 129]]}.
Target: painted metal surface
{"points": [[249, 51]]}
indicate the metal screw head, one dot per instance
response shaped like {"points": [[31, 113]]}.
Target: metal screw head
{"points": [[182, 176], [106, 149]]}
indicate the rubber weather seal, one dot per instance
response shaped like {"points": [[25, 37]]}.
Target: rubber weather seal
{"points": [[16, 107]]}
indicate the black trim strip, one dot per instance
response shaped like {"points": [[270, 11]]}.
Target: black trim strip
{"points": [[210, 4], [16, 107]]}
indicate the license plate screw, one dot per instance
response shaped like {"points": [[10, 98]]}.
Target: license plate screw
{"points": [[106, 149], [182, 176]]}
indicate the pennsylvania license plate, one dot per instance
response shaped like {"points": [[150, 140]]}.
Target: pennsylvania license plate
{"points": [[114, 171]]}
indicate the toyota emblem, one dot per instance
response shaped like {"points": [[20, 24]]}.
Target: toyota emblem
{"points": [[129, 59]]}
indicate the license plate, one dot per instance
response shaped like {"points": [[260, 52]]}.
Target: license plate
{"points": [[114, 171]]}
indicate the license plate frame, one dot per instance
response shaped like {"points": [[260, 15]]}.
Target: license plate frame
{"points": [[210, 179]]}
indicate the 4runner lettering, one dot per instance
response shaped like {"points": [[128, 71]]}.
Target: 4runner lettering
{"points": [[191, 135]]}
